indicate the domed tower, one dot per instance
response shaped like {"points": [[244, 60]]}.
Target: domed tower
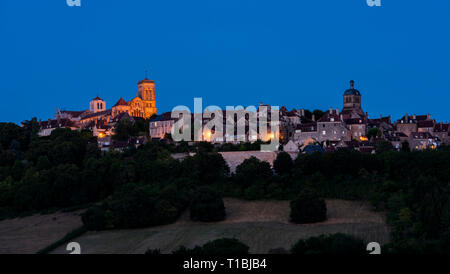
{"points": [[146, 91], [97, 104], [352, 100]]}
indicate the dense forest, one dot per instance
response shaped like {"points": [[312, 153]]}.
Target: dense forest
{"points": [[67, 170]]}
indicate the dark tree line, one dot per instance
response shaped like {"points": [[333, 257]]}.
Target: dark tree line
{"points": [[66, 169]]}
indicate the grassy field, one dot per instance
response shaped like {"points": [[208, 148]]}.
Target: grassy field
{"points": [[30, 234], [262, 225]]}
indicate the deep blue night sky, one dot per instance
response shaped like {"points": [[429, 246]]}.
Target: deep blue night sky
{"points": [[230, 52]]}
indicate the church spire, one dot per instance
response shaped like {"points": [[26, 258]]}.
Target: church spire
{"points": [[352, 84]]}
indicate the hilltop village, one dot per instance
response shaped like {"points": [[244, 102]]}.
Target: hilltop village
{"points": [[300, 130]]}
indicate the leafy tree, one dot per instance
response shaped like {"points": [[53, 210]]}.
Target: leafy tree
{"points": [[219, 247], [153, 252], [141, 127], [308, 208], [204, 147], [405, 146], [207, 206], [31, 129], [10, 132], [283, 164], [382, 146], [308, 114], [334, 244], [207, 168], [43, 163], [96, 218], [225, 247], [252, 171], [136, 206], [374, 133], [18, 170], [124, 130], [318, 114]]}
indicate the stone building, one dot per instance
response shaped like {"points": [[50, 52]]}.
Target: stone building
{"points": [[349, 124], [101, 120], [304, 132], [422, 140], [357, 127], [410, 123], [331, 127], [161, 125], [425, 126], [46, 127], [442, 131]]}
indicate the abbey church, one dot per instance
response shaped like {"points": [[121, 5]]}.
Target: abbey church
{"points": [[101, 120]]}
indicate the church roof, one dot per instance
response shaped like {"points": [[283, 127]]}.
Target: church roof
{"points": [[95, 114], [352, 90], [121, 102], [72, 113], [310, 149], [97, 98], [146, 80]]}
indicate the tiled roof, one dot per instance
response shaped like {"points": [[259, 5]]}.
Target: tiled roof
{"points": [[73, 114], [327, 117], [421, 117], [123, 115], [399, 134], [354, 121], [146, 81], [309, 149], [100, 113], [425, 123], [57, 123], [307, 127], [121, 102], [380, 120], [166, 116], [97, 98]]}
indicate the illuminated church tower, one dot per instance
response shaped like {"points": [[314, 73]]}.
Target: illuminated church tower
{"points": [[146, 92], [352, 102]]}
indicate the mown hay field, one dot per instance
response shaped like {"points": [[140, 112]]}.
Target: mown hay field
{"points": [[30, 234], [262, 225]]}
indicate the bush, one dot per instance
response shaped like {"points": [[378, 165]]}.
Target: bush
{"points": [[207, 206], [153, 252], [335, 244], [219, 247], [308, 208], [136, 207], [253, 171], [96, 218], [207, 168]]}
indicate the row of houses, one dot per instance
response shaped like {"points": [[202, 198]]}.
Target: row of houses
{"points": [[296, 129]]}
